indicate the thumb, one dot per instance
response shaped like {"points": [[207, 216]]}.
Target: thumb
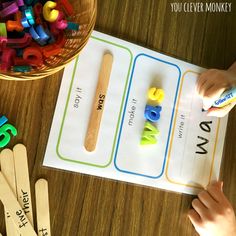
{"points": [[217, 184]]}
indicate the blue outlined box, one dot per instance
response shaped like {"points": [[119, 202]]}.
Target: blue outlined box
{"points": [[130, 157]]}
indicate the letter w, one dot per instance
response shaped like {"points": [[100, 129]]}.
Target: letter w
{"points": [[200, 145], [149, 134]]}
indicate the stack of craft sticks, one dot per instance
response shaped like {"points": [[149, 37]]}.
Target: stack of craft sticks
{"points": [[15, 195]]}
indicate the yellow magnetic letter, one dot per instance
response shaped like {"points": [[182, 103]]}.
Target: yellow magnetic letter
{"points": [[49, 13], [156, 94]]}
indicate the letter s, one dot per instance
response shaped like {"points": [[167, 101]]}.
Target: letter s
{"points": [[6, 136], [101, 96]]}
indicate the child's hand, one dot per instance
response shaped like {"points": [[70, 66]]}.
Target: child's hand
{"points": [[213, 214], [211, 84]]}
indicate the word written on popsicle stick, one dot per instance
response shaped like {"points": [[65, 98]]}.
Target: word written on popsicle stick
{"points": [[25, 199], [22, 180], [10, 202], [98, 103], [8, 170], [42, 207], [5, 131]]}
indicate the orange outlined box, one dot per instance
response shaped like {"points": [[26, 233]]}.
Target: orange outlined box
{"points": [[185, 129]]}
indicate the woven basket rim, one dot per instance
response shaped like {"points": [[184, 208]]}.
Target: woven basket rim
{"points": [[44, 73]]}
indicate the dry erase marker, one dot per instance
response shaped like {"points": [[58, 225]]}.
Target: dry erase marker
{"points": [[226, 98]]}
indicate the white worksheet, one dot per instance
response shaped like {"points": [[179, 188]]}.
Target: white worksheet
{"points": [[189, 146]]}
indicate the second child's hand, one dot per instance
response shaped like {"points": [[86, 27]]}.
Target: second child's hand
{"points": [[212, 213]]}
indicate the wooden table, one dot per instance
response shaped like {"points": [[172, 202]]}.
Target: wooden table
{"points": [[87, 205]]}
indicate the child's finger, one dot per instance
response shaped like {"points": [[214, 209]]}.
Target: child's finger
{"points": [[207, 103], [206, 87], [206, 78], [201, 80], [214, 92], [220, 112], [194, 218], [215, 190], [199, 207], [207, 200], [209, 84], [210, 95]]}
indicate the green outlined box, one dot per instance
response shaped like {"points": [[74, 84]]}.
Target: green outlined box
{"points": [[68, 148]]}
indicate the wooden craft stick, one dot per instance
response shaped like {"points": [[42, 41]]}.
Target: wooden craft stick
{"points": [[22, 180], [98, 103], [42, 207], [17, 214], [8, 170]]}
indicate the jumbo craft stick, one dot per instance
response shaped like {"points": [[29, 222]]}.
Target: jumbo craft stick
{"points": [[8, 170], [22, 180], [98, 103], [12, 205], [42, 207]]}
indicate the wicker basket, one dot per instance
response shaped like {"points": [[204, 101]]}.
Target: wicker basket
{"points": [[75, 41]]}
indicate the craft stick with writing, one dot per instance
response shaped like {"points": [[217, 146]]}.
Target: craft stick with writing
{"points": [[17, 214], [22, 180], [98, 103], [42, 207], [8, 170]]}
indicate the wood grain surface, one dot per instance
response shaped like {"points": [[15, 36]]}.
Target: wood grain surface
{"points": [[86, 205]]}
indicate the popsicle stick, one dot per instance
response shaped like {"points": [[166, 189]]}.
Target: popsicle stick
{"points": [[42, 207], [98, 103], [8, 170], [22, 180], [17, 214]]}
